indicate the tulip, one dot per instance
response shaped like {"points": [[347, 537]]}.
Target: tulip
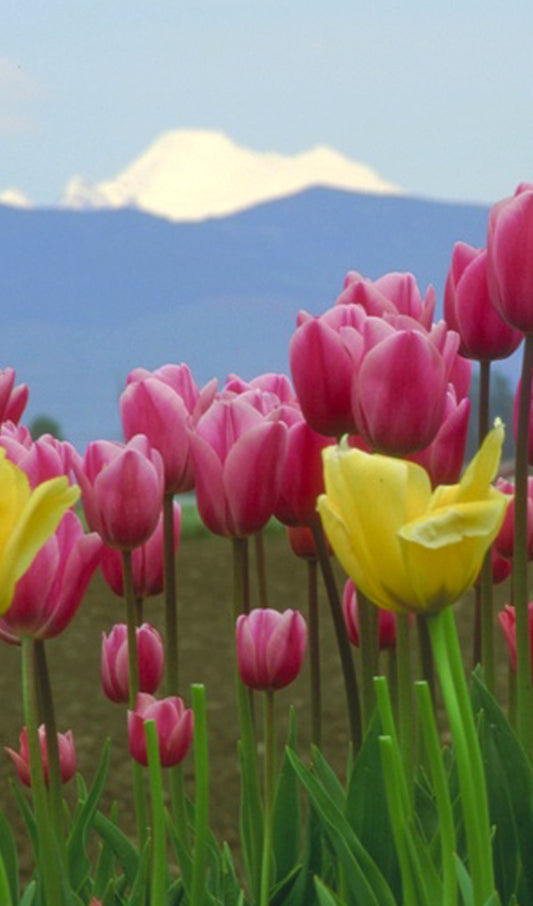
{"points": [[508, 625], [114, 661], [238, 459], [302, 478], [510, 258], [12, 399], [443, 457], [386, 619], [278, 385], [174, 724], [42, 459], [122, 490], [270, 647], [392, 293], [405, 547], [48, 595], [504, 541], [67, 756], [468, 308], [164, 405], [146, 563], [28, 519]]}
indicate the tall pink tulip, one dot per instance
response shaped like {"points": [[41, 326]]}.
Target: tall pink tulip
{"points": [[302, 478], [13, 399], [174, 724], [146, 562], [238, 460], [165, 405], [67, 756], [468, 308], [50, 592], [114, 661], [270, 647], [444, 457], [394, 293], [122, 490], [510, 258]]}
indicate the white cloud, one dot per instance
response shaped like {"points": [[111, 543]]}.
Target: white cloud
{"points": [[18, 92]]}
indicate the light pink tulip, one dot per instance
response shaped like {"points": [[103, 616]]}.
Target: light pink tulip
{"points": [[510, 258], [115, 665], [67, 756], [48, 595], [122, 490], [13, 399], [41, 459], [165, 405], [174, 723], [147, 562], [270, 647], [278, 385], [238, 460], [468, 308], [386, 619]]}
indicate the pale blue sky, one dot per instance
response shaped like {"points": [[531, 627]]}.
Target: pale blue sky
{"points": [[439, 99]]}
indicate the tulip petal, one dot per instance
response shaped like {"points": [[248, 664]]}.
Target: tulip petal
{"points": [[474, 484]]}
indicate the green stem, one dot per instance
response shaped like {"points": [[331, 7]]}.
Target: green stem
{"points": [[405, 698], [442, 795], [201, 811], [171, 608], [179, 805], [392, 772], [427, 667], [48, 862], [42, 677], [314, 653], [343, 644], [269, 784], [519, 581], [449, 665], [368, 646], [259, 541], [159, 861]]}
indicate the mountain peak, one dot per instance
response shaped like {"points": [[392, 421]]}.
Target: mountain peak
{"points": [[192, 174]]}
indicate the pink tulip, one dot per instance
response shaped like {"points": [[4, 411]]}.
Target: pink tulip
{"points": [[504, 541], [322, 369], [41, 459], [238, 460], [165, 405], [302, 478], [302, 542], [48, 595], [115, 666], [270, 647], [174, 723], [508, 624], [386, 619], [13, 399], [122, 490], [399, 385], [67, 756], [443, 458], [146, 562], [394, 293], [278, 385], [510, 258], [468, 308]]}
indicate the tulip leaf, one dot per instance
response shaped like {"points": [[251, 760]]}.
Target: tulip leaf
{"points": [[141, 883], [512, 770], [367, 885], [465, 883], [328, 778], [287, 813], [8, 855], [29, 894], [326, 897], [78, 862], [29, 818], [124, 850], [303, 892]]}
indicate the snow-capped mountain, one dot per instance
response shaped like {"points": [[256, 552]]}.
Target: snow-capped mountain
{"points": [[194, 174]]}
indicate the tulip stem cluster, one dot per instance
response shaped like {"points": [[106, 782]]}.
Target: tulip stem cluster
{"points": [[171, 608]]}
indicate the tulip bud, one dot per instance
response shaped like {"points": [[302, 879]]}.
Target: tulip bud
{"points": [[67, 756], [174, 724], [270, 647], [510, 258], [508, 624], [115, 665], [386, 619]]}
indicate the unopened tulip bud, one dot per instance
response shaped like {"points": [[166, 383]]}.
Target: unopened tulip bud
{"points": [[174, 724], [270, 647], [386, 619], [67, 756], [115, 664]]}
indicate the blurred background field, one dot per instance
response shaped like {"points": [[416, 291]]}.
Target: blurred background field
{"points": [[206, 644]]}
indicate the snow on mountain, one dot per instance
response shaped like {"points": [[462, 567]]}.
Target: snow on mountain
{"points": [[14, 198], [194, 174]]}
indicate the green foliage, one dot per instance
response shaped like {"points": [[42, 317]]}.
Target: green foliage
{"points": [[45, 424]]}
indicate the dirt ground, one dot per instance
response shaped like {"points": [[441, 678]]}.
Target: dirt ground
{"points": [[206, 645]]}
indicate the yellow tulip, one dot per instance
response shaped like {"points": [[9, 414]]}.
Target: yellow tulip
{"points": [[408, 548], [27, 519]]}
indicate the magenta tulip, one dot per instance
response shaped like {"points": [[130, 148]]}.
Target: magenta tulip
{"points": [[270, 647], [508, 624], [67, 756], [238, 460], [42, 459], [386, 619], [510, 258], [504, 541], [444, 457], [395, 293], [114, 661], [13, 399], [468, 308], [122, 490], [165, 405], [278, 385], [174, 724], [302, 478], [48, 595], [146, 563]]}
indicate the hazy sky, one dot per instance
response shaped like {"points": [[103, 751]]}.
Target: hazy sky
{"points": [[437, 98]]}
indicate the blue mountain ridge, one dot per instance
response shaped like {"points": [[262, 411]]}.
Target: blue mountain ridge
{"points": [[88, 295]]}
